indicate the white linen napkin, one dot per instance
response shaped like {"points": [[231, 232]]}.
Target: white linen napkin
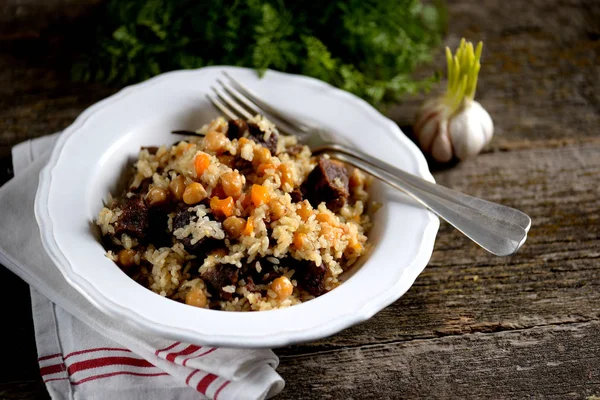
{"points": [[85, 354]]}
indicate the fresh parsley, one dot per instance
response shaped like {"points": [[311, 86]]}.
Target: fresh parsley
{"points": [[368, 47]]}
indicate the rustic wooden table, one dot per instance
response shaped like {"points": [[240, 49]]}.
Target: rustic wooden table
{"points": [[473, 325]]}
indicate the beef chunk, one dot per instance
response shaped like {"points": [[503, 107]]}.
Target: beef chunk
{"points": [[310, 276], [328, 182], [151, 149], [266, 274], [219, 276], [296, 195], [258, 136], [236, 128], [134, 219], [294, 150], [202, 246], [242, 165], [250, 285], [158, 233], [182, 219], [142, 189], [183, 132]]}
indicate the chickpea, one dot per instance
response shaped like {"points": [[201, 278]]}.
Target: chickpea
{"points": [[126, 258], [277, 210], [354, 245], [325, 217], [156, 196], [286, 175], [357, 178], [246, 200], [196, 298], [262, 155], [227, 160], [262, 168], [327, 232], [218, 192], [219, 253], [234, 226], [300, 240], [194, 193], [232, 184], [304, 210], [215, 141], [283, 287], [177, 187]]}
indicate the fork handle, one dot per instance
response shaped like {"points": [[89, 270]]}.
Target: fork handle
{"points": [[509, 213], [499, 229]]}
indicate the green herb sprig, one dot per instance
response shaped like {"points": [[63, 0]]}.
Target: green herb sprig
{"points": [[368, 47], [463, 70]]}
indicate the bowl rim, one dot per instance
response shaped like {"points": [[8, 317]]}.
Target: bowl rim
{"points": [[100, 301]]}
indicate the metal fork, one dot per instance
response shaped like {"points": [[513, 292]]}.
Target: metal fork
{"points": [[499, 229]]}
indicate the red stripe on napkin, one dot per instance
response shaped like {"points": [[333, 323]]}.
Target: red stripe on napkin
{"points": [[188, 350], [205, 383], [198, 356], [75, 353], [167, 348], [55, 379], [52, 369], [49, 357], [93, 378], [219, 389], [194, 372], [104, 361]]}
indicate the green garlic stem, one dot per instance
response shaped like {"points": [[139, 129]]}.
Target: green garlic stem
{"points": [[463, 70]]}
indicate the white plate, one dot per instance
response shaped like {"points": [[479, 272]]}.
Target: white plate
{"points": [[91, 155]]}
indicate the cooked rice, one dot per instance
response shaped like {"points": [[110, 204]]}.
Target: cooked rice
{"points": [[335, 240]]}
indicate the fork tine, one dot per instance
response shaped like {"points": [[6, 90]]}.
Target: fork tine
{"points": [[236, 95], [221, 107], [290, 121], [231, 103]]}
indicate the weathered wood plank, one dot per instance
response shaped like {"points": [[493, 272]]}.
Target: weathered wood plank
{"points": [[17, 332], [473, 325], [540, 75], [550, 362], [26, 19], [555, 277], [27, 390]]}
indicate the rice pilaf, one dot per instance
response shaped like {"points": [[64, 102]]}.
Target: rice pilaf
{"points": [[239, 218]]}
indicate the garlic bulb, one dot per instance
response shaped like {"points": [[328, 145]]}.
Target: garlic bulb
{"points": [[455, 125]]}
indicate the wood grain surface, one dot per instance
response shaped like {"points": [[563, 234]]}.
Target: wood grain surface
{"points": [[473, 325]]}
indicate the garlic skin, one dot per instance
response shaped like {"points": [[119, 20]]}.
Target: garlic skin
{"points": [[462, 135], [455, 125], [470, 130]]}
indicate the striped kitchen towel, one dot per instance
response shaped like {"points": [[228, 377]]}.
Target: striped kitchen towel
{"points": [[85, 354]]}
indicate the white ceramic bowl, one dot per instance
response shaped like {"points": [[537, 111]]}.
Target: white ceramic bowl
{"points": [[92, 154]]}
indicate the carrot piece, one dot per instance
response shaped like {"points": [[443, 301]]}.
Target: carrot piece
{"points": [[259, 195], [249, 228], [224, 207], [201, 163]]}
